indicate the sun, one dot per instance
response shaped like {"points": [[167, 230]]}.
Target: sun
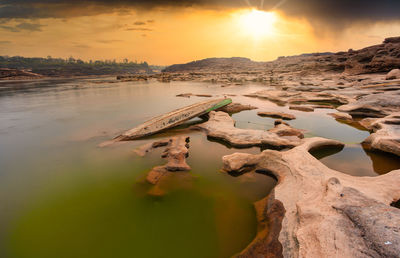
{"points": [[257, 23]]}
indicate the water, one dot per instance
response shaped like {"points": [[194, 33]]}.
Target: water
{"points": [[61, 196]]}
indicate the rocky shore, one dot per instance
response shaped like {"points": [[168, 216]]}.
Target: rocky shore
{"points": [[314, 211], [15, 74]]}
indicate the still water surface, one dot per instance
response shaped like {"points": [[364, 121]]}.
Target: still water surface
{"points": [[62, 196]]}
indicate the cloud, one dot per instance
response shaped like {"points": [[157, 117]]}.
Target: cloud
{"points": [[77, 45], [30, 26], [139, 29], [327, 11], [23, 26], [108, 41], [9, 28], [139, 23]]}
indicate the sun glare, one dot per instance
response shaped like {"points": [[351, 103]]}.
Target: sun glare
{"points": [[257, 23]]}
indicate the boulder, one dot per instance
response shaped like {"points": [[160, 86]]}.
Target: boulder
{"points": [[393, 74], [386, 134]]}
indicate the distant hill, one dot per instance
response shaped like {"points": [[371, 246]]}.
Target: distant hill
{"points": [[215, 63], [373, 59]]}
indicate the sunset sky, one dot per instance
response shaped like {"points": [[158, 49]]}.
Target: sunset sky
{"points": [[164, 32]]}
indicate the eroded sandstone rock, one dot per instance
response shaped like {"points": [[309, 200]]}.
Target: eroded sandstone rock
{"points": [[176, 152], [144, 149], [281, 115], [386, 134], [342, 116], [301, 108], [362, 110], [320, 212], [393, 74], [222, 126]]}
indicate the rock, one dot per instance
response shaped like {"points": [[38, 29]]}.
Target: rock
{"points": [[188, 95], [330, 214], [322, 106], [302, 108], [283, 129], [392, 40], [393, 74], [362, 110], [367, 123], [135, 77], [280, 121], [281, 115], [203, 95], [222, 126], [277, 96], [144, 149], [236, 108], [175, 153], [386, 134], [342, 116], [185, 95]]}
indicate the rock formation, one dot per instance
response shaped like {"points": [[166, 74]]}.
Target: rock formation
{"points": [[281, 115], [374, 59], [175, 152], [393, 74], [386, 134], [315, 211], [221, 126]]}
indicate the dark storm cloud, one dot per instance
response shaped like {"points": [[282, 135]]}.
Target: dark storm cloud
{"points": [[330, 11]]}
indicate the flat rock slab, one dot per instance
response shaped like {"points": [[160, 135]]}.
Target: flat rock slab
{"points": [[222, 126], [281, 115], [342, 116], [320, 212], [301, 108], [386, 134], [362, 110]]}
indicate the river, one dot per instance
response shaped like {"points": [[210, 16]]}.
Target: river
{"points": [[62, 196]]}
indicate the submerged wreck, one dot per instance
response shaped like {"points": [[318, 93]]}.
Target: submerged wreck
{"points": [[170, 120]]}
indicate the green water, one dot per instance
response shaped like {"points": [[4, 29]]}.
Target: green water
{"points": [[62, 196]]}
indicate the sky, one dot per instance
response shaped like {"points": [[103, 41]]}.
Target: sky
{"points": [[164, 32]]}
